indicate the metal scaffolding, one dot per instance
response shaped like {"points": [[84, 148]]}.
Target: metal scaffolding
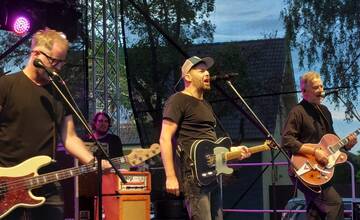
{"points": [[104, 59]]}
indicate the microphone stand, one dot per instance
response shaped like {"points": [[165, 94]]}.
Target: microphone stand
{"points": [[257, 122], [100, 152], [352, 107]]}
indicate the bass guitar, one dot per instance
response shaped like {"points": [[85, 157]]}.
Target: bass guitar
{"points": [[16, 182], [309, 171], [209, 158]]}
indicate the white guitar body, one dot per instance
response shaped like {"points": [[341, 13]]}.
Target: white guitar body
{"points": [[27, 168]]}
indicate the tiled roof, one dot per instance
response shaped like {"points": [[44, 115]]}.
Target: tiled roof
{"points": [[265, 65], [264, 72]]}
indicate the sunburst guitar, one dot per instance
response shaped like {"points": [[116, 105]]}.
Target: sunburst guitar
{"points": [[309, 171]]}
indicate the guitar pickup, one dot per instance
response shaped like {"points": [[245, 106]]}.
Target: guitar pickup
{"points": [[3, 189], [207, 174]]}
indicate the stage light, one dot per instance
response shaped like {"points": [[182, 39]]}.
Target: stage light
{"points": [[21, 25]]}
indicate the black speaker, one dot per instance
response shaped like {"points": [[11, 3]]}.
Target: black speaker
{"points": [[170, 209], [279, 196], [356, 211]]}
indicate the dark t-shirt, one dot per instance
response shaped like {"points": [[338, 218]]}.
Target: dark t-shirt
{"points": [[194, 117], [27, 115], [115, 145]]}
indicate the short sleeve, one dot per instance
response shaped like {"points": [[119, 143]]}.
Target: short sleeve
{"points": [[173, 109]]}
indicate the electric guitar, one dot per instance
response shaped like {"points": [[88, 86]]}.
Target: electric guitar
{"points": [[209, 158], [309, 171], [16, 182]]}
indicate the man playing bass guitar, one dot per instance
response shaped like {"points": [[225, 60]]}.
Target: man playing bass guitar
{"points": [[32, 113], [305, 127]]}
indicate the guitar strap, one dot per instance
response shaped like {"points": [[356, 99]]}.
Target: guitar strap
{"points": [[182, 155], [322, 115]]}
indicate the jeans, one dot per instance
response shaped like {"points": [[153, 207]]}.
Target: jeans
{"points": [[325, 205], [203, 203]]}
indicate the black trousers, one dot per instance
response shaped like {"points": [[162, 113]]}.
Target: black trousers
{"points": [[44, 212], [326, 205]]}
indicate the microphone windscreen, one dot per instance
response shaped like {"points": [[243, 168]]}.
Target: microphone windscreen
{"points": [[38, 63]]}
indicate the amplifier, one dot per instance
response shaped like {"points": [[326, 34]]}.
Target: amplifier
{"points": [[137, 183]]}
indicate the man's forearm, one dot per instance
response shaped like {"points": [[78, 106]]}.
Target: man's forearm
{"points": [[75, 146], [167, 158]]}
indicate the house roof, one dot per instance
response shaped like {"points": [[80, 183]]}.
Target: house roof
{"points": [[265, 72], [265, 67]]}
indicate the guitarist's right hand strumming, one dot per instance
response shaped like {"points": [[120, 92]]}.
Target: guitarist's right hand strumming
{"points": [[320, 156], [314, 163]]}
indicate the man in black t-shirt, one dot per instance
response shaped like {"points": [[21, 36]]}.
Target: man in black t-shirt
{"points": [[31, 113], [187, 117], [308, 122], [100, 125]]}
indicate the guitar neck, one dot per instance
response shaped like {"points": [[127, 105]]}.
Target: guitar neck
{"points": [[343, 141], [236, 154], [37, 181]]}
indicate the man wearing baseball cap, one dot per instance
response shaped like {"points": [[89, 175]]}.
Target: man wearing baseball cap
{"points": [[187, 117]]}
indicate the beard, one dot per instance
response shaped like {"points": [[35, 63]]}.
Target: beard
{"points": [[200, 84], [102, 132], [207, 86]]}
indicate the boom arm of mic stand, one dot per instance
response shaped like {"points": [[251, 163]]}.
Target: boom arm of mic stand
{"points": [[85, 124], [255, 120], [98, 154], [352, 106]]}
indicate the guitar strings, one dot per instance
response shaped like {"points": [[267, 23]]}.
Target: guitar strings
{"points": [[34, 181], [25, 183]]}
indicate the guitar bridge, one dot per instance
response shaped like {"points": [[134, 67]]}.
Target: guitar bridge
{"points": [[210, 160]]}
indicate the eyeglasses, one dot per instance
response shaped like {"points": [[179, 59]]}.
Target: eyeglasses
{"points": [[53, 61]]}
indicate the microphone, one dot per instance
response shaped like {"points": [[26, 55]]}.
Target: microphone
{"points": [[334, 91], [223, 77], [39, 64]]}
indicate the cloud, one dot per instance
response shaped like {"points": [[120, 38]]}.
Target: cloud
{"points": [[246, 20]]}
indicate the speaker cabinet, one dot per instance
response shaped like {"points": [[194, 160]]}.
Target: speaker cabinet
{"points": [[125, 207]]}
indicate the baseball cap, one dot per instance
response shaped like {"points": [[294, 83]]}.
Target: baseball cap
{"points": [[192, 61]]}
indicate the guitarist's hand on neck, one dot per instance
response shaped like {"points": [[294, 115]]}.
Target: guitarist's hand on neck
{"points": [[245, 153], [352, 140]]}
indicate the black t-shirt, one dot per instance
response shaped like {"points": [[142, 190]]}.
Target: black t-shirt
{"points": [[115, 145], [194, 117], [27, 115]]}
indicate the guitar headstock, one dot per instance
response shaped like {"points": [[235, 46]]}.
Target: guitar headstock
{"points": [[270, 144], [140, 155]]}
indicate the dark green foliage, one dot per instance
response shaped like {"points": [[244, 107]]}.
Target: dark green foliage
{"points": [[327, 32]]}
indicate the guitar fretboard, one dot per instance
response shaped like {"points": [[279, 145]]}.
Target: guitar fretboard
{"points": [[334, 148], [235, 154], [37, 181]]}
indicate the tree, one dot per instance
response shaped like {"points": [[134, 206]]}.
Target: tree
{"points": [[153, 62], [15, 60], [327, 32]]}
